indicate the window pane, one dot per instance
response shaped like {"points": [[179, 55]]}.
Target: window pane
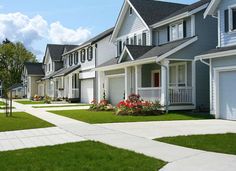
{"points": [[234, 18], [174, 34], [172, 75], [181, 75], [181, 33]]}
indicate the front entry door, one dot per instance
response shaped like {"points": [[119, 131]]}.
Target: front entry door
{"points": [[156, 81]]}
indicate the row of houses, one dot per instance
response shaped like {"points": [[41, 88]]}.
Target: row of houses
{"points": [[182, 55]]}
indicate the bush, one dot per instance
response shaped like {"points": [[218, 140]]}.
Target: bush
{"points": [[135, 106], [103, 105], [47, 100]]}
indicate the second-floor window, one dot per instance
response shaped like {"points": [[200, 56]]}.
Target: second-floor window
{"points": [[70, 59], [90, 53], [176, 31], [144, 37], [82, 56], [76, 58]]}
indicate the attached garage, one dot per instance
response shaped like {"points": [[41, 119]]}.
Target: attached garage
{"points": [[226, 93], [87, 91], [116, 89]]}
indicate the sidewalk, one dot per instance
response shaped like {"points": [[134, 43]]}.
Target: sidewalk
{"points": [[180, 158]]}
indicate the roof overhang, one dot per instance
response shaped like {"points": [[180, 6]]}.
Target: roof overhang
{"points": [[216, 55], [179, 17], [121, 16], [211, 8], [76, 49]]}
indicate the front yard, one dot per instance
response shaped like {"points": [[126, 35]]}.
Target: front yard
{"points": [[88, 155], [29, 102], [48, 106], [221, 143], [109, 117], [20, 121]]}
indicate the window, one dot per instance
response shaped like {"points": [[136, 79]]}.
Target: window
{"points": [[90, 53], [139, 39], [232, 19], [65, 63], [82, 56], [135, 39], [70, 59], [130, 10], [131, 41], [119, 48], [178, 75], [76, 58], [127, 41], [176, 31], [144, 37]]}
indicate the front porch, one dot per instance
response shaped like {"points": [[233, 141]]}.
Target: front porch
{"points": [[172, 83]]}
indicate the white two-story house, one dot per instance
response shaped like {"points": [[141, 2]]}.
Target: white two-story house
{"points": [[156, 45], [222, 60]]}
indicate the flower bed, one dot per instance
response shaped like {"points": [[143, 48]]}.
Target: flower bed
{"points": [[135, 106], [103, 105]]}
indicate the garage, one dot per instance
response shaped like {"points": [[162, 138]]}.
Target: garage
{"points": [[116, 89], [87, 91], [227, 94]]}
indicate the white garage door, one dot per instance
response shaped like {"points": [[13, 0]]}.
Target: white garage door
{"points": [[87, 91], [227, 95], [116, 89]]}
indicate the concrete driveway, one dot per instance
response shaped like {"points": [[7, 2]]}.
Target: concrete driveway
{"points": [[153, 130]]}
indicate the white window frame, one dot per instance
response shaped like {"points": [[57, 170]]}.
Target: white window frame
{"points": [[153, 77], [176, 24], [177, 74], [230, 8]]}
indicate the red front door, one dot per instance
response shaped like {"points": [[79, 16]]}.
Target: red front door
{"points": [[157, 79]]}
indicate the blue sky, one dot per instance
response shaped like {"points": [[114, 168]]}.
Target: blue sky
{"points": [[38, 22]]}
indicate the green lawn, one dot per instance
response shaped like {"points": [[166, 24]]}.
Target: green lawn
{"points": [[29, 102], [2, 103], [222, 143], [77, 105], [20, 121], [82, 156], [110, 117]]}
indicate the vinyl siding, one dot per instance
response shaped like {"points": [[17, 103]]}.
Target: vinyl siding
{"points": [[227, 39]]}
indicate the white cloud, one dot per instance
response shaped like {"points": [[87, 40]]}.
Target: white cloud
{"points": [[19, 27], [63, 35]]}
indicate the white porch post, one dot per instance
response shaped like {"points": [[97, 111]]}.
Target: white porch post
{"points": [[194, 83], [101, 84], [138, 77], [126, 83], [164, 82], [70, 86]]}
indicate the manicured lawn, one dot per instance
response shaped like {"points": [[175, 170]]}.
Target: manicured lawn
{"points": [[222, 143], [20, 121], [2, 103], [61, 106], [4, 107], [29, 102], [82, 156], [110, 117]]}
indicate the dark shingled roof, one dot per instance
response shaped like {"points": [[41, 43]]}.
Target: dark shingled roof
{"points": [[220, 49], [137, 51], [34, 68], [66, 71], [14, 86], [112, 61], [188, 8], [153, 11]]}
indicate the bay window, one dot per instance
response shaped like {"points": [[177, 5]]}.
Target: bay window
{"points": [[178, 75]]}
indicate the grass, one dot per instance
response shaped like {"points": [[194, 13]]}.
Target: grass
{"points": [[2, 103], [21, 121], [221, 143], [61, 106], [29, 102], [110, 117], [82, 156], [4, 107]]}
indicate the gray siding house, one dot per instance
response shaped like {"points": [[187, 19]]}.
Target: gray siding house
{"points": [[156, 45], [222, 60]]}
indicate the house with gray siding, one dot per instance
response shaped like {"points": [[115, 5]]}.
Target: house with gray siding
{"points": [[156, 44], [222, 60]]}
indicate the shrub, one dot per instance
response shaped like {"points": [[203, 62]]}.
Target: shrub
{"points": [[103, 105], [47, 100], [135, 106]]}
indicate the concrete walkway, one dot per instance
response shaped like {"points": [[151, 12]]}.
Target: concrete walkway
{"points": [[179, 158]]}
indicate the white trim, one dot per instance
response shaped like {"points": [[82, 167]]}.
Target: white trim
{"points": [[194, 83], [180, 16], [230, 8], [153, 77], [182, 107], [115, 75], [177, 73], [123, 53], [219, 28], [177, 49], [176, 24], [216, 55], [211, 8], [193, 27], [211, 88]]}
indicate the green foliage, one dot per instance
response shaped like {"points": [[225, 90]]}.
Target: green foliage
{"points": [[12, 59]]}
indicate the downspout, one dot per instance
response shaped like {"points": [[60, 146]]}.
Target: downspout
{"points": [[166, 90]]}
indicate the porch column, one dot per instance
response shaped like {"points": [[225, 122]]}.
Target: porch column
{"points": [[164, 82], [70, 86], [101, 85], [127, 82], [194, 83], [138, 77]]}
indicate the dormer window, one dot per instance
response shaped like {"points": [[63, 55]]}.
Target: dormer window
{"points": [[232, 18], [76, 58], [90, 53], [130, 10], [70, 59], [176, 31], [82, 56]]}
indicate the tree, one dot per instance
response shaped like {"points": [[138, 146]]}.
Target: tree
{"points": [[12, 59]]}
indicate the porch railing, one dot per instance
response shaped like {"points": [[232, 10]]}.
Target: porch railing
{"points": [[75, 93], [180, 95], [150, 94]]}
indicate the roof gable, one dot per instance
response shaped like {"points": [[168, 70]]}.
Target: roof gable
{"points": [[34, 69], [212, 7]]}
